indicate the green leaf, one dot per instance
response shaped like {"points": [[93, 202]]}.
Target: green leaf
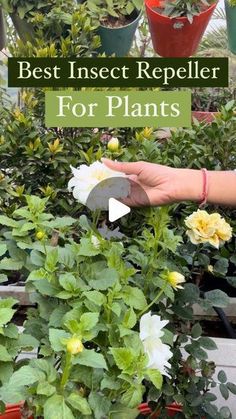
{"points": [[196, 331], [232, 387], [100, 405], [3, 249], [133, 396], [56, 408], [90, 358], [217, 298], [225, 412], [222, 377], [124, 357], [221, 266], [79, 403], [25, 376], [6, 371], [155, 377], [224, 391], [104, 279], [87, 248], [134, 297], [88, 321], [45, 389], [207, 343], [119, 411], [27, 341], [130, 319], [8, 222], [95, 297], [62, 222], [8, 264], [51, 260], [4, 355], [56, 337], [6, 315]]}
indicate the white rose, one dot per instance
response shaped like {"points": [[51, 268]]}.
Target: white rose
{"points": [[108, 183], [158, 354], [151, 326]]}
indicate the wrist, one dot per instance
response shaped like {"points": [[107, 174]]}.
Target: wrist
{"points": [[189, 185]]}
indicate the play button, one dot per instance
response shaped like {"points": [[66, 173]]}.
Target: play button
{"points": [[117, 210]]}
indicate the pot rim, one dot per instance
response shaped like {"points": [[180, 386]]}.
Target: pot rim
{"points": [[180, 18], [124, 26]]}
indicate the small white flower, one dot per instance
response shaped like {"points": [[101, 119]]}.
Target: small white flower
{"points": [[151, 326], [158, 354], [95, 242], [104, 182]]}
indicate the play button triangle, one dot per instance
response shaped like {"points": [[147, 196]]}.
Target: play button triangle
{"points": [[117, 210]]}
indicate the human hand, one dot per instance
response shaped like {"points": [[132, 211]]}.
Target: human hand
{"points": [[162, 184]]}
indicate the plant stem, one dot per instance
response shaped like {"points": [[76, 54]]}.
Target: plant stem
{"points": [[66, 371], [155, 300]]}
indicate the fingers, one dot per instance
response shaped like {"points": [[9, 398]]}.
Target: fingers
{"points": [[128, 168]]}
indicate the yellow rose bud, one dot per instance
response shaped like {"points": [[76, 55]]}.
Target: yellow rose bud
{"points": [[210, 268], [40, 235], [113, 145], [175, 279], [74, 346]]}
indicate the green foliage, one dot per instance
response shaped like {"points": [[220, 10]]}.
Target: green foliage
{"points": [[188, 8], [103, 9]]}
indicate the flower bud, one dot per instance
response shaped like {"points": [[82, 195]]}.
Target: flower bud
{"points": [[74, 346], [113, 145], [40, 235], [175, 279]]}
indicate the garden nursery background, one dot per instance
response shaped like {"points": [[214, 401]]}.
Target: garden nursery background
{"points": [[122, 320]]}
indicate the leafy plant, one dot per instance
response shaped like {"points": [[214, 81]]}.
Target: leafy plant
{"points": [[91, 293], [232, 3], [188, 8], [105, 9]]}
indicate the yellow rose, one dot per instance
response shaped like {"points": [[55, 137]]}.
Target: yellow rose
{"points": [[74, 346], [207, 228], [113, 145], [175, 279]]}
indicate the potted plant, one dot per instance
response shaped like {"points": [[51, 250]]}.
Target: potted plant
{"points": [[98, 325], [118, 21], [230, 8], [48, 21], [177, 26]]}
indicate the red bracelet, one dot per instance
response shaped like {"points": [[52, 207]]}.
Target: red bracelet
{"points": [[205, 187]]}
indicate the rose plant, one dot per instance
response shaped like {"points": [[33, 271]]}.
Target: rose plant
{"points": [[107, 325]]}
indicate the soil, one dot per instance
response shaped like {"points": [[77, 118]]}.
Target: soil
{"points": [[113, 22]]}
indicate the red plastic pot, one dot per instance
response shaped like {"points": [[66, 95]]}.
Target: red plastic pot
{"points": [[171, 410], [207, 117], [13, 411], [176, 37]]}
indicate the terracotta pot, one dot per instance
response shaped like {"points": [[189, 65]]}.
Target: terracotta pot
{"points": [[171, 410], [176, 37], [207, 117]]}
